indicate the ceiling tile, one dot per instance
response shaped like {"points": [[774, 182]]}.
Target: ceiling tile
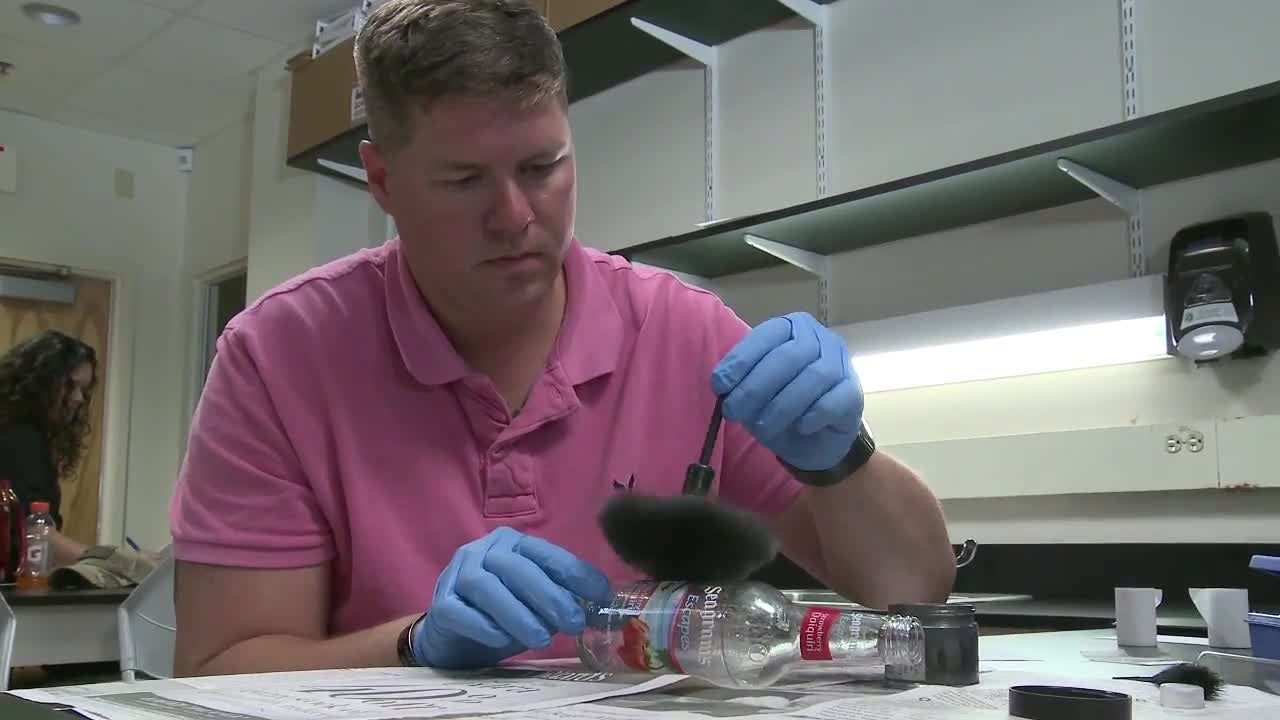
{"points": [[286, 21], [43, 78], [122, 128], [201, 50], [181, 6], [148, 105], [108, 28]]}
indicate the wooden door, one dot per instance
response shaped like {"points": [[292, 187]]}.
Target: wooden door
{"points": [[88, 318]]}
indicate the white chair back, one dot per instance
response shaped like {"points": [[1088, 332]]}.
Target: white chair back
{"points": [[147, 625], [8, 629]]}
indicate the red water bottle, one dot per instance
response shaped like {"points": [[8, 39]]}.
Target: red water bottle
{"points": [[10, 529]]}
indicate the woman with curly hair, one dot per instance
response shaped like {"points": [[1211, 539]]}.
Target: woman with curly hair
{"points": [[46, 383]]}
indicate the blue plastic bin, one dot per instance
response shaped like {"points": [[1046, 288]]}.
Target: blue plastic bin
{"points": [[1264, 635], [1264, 630]]}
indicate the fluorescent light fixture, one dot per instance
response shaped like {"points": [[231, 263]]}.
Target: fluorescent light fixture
{"points": [[47, 14], [1085, 327]]}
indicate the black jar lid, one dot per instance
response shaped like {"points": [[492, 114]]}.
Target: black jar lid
{"points": [[1041, 702], [935, 611]]}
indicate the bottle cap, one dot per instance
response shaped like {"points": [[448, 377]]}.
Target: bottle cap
{"points": [[1178, 695], [39, 506]]}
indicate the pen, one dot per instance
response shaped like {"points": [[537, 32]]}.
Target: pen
{"points": [[132, 544]]}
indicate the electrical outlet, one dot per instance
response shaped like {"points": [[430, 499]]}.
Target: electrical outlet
{"points": [[1191, 440]]}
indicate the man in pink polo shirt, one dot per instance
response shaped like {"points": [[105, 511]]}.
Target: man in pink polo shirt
{"points": [[399, 457]]}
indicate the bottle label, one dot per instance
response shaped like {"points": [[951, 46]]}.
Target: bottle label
{"points": [[815, 633], [670, 627]]}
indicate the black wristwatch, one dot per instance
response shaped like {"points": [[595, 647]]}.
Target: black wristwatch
{"points": [[864, 446], [404, 644]]}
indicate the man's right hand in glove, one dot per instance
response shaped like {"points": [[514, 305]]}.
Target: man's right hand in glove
{"points": [[501, 595]]}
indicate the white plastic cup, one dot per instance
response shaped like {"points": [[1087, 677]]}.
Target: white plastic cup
{"points": [[1226, 612], [1136, 616]]}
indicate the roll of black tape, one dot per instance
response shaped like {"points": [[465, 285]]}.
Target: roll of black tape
{"points": [[1048, 702]]}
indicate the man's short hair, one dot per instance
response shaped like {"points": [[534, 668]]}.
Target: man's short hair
{"points": [[412, 52]]}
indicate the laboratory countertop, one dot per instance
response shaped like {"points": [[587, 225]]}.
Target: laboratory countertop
{"points": [[1018, 610], [1081, 658], [25, 598], [1170, 615]]}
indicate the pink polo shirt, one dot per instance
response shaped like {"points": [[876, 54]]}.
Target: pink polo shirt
{"points": [[338, 426]]}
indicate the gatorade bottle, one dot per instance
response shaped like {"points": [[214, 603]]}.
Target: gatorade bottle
{"points": [[37, 562]]}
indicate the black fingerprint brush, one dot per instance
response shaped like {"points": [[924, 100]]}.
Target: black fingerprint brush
{"points": [[688, 537], [1187, 674]]}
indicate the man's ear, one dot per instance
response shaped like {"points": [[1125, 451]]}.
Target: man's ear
{"points": [[375, 165]]}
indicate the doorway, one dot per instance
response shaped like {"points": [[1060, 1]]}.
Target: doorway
{"points": [[224, 299], [84, 312]]}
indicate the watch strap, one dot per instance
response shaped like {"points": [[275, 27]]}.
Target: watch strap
{"points": [[860, 451], [404, 645]]}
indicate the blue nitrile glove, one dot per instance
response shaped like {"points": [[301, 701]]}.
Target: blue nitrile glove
{"points": [[501, 595], [791, 384]]}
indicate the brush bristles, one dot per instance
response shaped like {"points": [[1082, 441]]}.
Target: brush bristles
{"points": [[1188, 674], [686, 538]]}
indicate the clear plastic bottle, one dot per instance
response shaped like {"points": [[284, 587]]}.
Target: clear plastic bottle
{"points": [[742, 635], [38, 558]]}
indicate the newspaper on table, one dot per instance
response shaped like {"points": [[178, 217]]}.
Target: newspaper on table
{"points": [[548, 692], [866, 697], [377, 694]]}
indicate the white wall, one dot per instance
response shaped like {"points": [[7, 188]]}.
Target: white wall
{"points": [[909, 90], [239, 203], [66, 212], [297, 219], [218, 210], [175, 228], [918, 86]]}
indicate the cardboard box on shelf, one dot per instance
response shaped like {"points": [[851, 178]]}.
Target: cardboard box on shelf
{"points": [[322, 98], [567, 13]]}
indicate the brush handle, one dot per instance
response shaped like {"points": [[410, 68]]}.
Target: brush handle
{"points": [[699, 476], [713, 429]]}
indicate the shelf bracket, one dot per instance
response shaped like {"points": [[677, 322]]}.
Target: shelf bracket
{"points": [[686, 278], [1132, 108], [709, 57], [815, 12], [1122, 196], [350, 171], [819, 15], [1129, 59], [811, 262], [1113, 191]]}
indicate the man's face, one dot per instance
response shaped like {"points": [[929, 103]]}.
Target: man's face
{"points": [[483, 198]]}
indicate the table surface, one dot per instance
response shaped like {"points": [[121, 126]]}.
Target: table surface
{"points": [[15, 708], [1050, 653], [19, 598]]}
